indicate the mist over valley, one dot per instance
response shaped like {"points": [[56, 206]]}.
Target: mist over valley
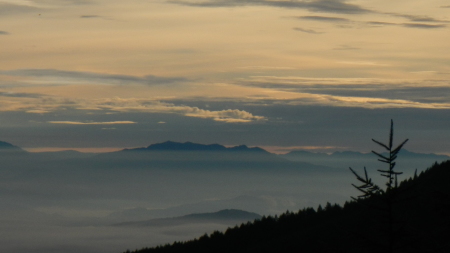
{"points": [[108, 202]]}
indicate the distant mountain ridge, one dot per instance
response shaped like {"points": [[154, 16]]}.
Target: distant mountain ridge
{"points": [[190, 146], [222, 216], [353, 154], [243, 202], [296, 155], [5, 146], [407, 161], [190, 155]]}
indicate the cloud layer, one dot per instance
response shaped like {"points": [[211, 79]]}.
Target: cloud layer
{"points": [[92, 123], [423, 22], [49, 104], [335, 6], [358, 92], [55, 77]]}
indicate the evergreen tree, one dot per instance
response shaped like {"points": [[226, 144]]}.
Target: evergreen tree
{"points": [[389, 195]]}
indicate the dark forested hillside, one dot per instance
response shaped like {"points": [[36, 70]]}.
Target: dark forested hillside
{"points": [[420, 219]]}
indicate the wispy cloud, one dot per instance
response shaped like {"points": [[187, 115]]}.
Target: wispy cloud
{"points": [[424, 72], [90, 16], [357, 92], [61, 77], [366, 63], [426, 22], [380, 23], [20, 95], [95, 17], [18, 2], [267, 67], [365, 102], [229, 116], [92, 123], [143, 105], [346, 47], [21, 7], [306, 30], [51, 104], [324, 18], [418, 18], [410, 25], [64, 2], [4, 33], [11, 7], [424, 26], [32, 103], [333, 6]]}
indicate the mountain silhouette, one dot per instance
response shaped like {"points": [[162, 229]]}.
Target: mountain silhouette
{"points": [[190, 146], [227, 216], [5, 146], [242, 202], [194, 156]]}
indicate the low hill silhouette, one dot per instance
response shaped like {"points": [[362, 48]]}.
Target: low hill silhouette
{"points": [[422, 212]]}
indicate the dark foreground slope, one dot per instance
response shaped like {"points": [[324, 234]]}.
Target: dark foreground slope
{"points": [[421, 220]]}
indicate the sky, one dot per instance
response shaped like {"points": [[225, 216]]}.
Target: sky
{"points": [[319, 75]]}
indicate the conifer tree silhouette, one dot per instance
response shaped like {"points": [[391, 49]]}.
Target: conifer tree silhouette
{"points": [[370, 189]]}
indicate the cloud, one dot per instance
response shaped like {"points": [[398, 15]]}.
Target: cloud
{"points": [[367, 63], [63, 2], [380, 23], [324, 18], [61, 77], [4, 33], [92, 123], [445, 6], [306, 30], [333, 6], [51, 104], [366, 102], [11, 7], [267, 67], [20, 95], [143, 105], [346, 47], [229, 116], [410, 25], [424, 26], [90, 16], [418, 18], [413, 18], [95, 17], [14, 7], [357, 92]]}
